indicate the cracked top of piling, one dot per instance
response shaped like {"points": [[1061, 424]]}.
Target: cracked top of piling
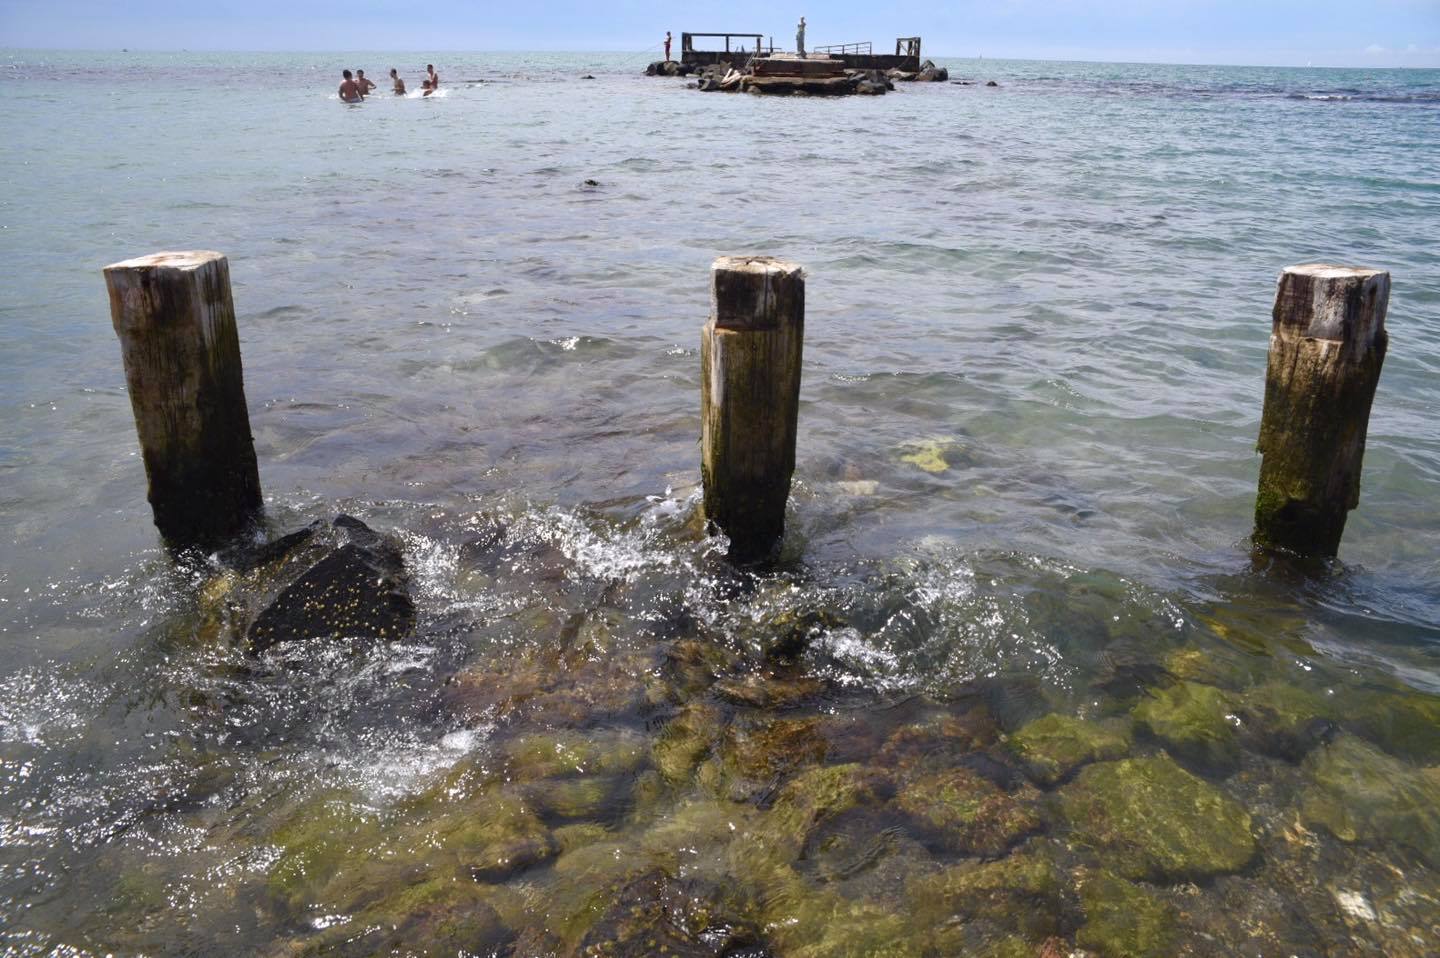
{"points": [[1332, 271], [756, 293], [171, 259]]}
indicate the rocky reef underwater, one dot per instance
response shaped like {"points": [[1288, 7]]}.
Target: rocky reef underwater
{"points": [[642, 751]]}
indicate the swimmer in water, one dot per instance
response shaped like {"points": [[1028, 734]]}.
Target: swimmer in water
{"points": [[399, 83], [425, 86], [349, 92], [434, 77], [364, 84]]}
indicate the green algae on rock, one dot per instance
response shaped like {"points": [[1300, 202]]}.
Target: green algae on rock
{"points": [[1401, 721], [803, 922], [967, 813], [1052, 747], [492, 838], [439, 916], [544, 755], [1148, 818], [326, 837], [1285, 720], [685, 741], [1195, 722], [754, 755], [1022, 892], [1358, 793], [1124, 920], [653, 914]]}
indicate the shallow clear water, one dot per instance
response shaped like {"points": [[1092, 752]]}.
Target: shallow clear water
{"points": [[1055, 293]]}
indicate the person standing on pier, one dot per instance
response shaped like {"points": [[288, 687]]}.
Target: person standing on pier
{"points": [[667, 46], [800, 38]]}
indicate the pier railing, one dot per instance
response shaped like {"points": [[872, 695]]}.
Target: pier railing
{"points": [[844, 48]]}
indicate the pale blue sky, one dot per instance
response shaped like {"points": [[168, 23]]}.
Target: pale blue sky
{"points": [[1279, 32]]}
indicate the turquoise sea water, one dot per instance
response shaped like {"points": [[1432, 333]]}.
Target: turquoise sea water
{"points": [[1054, 293]]}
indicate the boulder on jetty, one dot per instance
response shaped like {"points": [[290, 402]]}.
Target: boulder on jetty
{"points": [[668, 68], [930, 73], [358, 591], [814, 86]]}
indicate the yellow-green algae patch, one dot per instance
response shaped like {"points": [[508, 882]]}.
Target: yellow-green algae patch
{"points": [[1124, 920], [927, 454], [1052, 747], [1195, 722], [1148, 818]]}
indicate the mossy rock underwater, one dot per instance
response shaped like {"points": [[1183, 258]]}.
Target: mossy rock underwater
{"points": [[1124, 920], [1052, 747], [1195, 722], [1022, 893], [1148, 818], [964, 812], [1358, 793]]}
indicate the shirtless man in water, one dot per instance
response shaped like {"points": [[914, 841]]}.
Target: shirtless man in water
{"points": [[432, 76], [349, 91], [399, 83], [364, 84]]}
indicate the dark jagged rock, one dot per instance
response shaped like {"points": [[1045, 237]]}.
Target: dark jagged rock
{"points": [[247, 558], [930, 73], [360, 590], [668, 68], [991, 83]]}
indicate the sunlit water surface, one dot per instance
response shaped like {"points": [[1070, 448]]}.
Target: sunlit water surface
{"points": [[1035, 347]]}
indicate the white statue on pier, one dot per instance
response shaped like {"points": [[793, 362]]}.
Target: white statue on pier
{"points": [[800, 38]]}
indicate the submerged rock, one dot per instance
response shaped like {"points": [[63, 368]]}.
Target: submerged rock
{"points": [[1285, 720], [495, 839], [755, 755], [1148, 818], [1052, 747], [941, 742], [1195, 722], [653, 914], [966, 813], [1124, 920], [446, 914], [1022, 892], [685, 741], [1401, 721], [358, 591], [1358, 793]]}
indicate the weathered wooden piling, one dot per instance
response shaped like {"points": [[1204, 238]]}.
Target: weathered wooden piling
{"points": [[176, 322], [1327, 344], [750, 354]]}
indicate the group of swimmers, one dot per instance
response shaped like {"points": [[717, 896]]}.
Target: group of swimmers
{"points": [[355, 88]]}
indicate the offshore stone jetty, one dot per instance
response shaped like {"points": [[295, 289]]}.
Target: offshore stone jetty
{"points": [[746, 65]]}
